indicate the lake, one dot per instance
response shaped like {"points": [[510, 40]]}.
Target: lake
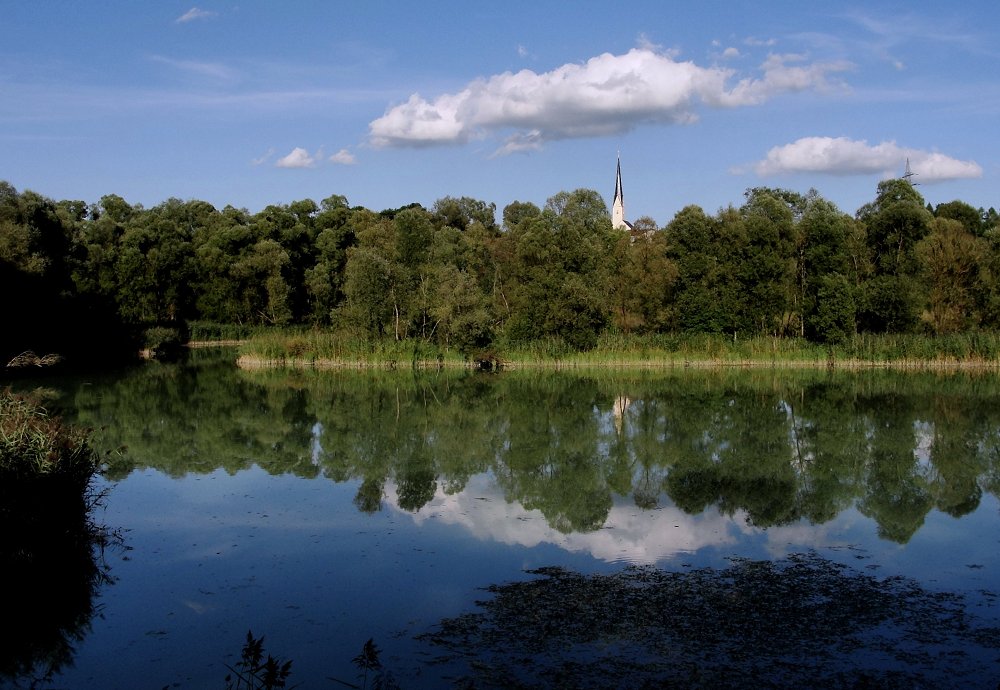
{"points": [[538, 528]]}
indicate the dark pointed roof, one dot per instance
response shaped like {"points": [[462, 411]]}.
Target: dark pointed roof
{"points": [[618, 183]]}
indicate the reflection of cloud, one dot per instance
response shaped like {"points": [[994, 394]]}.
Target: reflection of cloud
{"points": [[197, 606], [788, 539], [630, 534]]}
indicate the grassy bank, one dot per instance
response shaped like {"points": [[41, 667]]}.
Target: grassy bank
{"points": [[328, 349], [36, 446], [52, 549]]}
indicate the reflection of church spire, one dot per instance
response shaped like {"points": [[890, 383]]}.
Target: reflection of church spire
{"points": [[618, 411], [618, 221]]}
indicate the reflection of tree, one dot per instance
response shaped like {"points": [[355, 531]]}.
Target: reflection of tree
{"points": [[956, 456], [552, 461], [777, 446], [830, 447], [369, 496], [51, 556], [733, 452], [895, 492]]}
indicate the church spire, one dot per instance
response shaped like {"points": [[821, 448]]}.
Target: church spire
{"points": [[618, 205]]}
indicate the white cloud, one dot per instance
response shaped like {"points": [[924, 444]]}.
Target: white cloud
{"points": [[730, 53], [937, 167], [843, 156], [263, 159], [298, 158], [782, 74], [206, 69], [608, 94], [343, 157], [193, 14]]}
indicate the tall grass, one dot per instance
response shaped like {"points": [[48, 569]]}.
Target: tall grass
{"points": [[316, 347], [34, 444], [701, 349], [211, 331], [329, 348]]}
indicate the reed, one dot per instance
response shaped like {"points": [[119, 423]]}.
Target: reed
{"points": [[35, 444], [615, 349], [334, 349]]}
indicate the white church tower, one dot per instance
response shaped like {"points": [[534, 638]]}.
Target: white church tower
{"points": [[618, 221]]}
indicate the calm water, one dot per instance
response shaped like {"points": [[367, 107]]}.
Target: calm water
{"points": [[324, 509]]}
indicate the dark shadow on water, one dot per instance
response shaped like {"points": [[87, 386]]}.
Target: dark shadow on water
{"points": [[800, 622], [52, 556]]}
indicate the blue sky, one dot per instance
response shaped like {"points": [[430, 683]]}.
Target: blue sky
{"points": [[250, 103]]}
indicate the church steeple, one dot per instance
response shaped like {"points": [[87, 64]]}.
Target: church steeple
{"points": [[618, 221]]}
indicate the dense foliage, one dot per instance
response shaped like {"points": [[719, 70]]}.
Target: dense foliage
{"points": [[782, 264]]}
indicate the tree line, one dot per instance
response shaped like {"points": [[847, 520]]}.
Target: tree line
{"points": [[783, 264]]}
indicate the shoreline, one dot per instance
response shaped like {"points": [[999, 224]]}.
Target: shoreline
{"points": [[254, 363]]}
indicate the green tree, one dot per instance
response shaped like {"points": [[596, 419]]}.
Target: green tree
{"points": [[461, 213], [553, 261], [953, 259], [324, 280], [701, 282], [974, 221], [641, 281], [895, 222], [831, 319], [372, 277], [767, 269], [155, 262], [828, 295]]}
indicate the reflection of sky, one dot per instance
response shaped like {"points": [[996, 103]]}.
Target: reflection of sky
{"points": [[630, 534], [633, 535], [293, 558]]}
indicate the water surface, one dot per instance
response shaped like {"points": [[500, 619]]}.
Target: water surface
{"points": [[321, 509]]}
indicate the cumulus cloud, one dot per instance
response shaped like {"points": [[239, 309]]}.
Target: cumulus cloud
{"points": [[298, 158], [608, 94], [193, 14], [843, 156], [343, 157]]}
